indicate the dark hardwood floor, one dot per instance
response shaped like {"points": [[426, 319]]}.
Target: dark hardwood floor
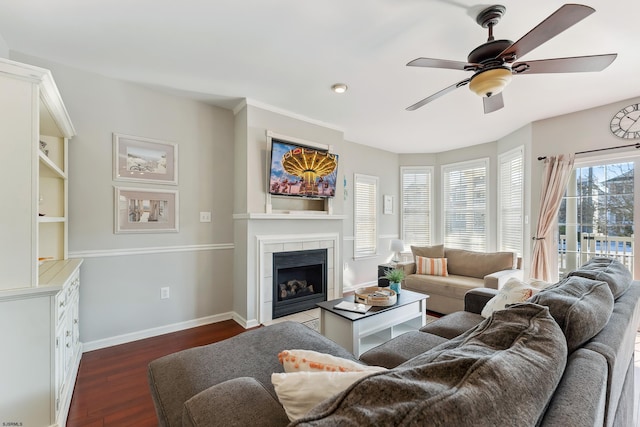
{"points": [[112, 388]]}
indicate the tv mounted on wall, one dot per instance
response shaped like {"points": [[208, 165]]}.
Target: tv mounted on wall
{"points": [[301, 171]]}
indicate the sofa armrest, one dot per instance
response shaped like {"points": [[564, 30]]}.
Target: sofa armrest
{"points": [[499, 278], [407, 267], [238, 402], [477, 298]]}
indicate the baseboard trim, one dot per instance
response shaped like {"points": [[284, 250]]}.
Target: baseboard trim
{"points": [[161, 330], [247, 324]]}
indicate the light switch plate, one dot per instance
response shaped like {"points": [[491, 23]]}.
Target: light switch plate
{"points": [[205, 216]]}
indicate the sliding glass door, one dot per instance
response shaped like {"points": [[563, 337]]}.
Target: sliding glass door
{"points": [[597, 215]]}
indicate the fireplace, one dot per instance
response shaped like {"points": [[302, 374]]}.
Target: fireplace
{"points": [[299, 281]]}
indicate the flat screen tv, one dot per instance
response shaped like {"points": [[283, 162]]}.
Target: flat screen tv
{"points": [[301, 171]]}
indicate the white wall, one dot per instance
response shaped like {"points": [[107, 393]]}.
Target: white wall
{"points": [[4, 48], [123, 273]]}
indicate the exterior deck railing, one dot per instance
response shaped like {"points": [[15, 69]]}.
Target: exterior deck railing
{"points": [[573, 254]]}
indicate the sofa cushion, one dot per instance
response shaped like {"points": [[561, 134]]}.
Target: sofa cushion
{"points": [[428, 251], [453, 325], [478, 264], [401, 348], [177, 377], [462, 380], [581, 307], [262, 410], [431, 266], [453, 286], [609, 270]]}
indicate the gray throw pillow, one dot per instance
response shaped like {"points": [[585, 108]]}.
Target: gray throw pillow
{"points": [[506, 368], [609, 270], [581, 307]]}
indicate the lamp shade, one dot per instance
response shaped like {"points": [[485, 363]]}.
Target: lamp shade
{"points": [[490, 82], [396, 245]]}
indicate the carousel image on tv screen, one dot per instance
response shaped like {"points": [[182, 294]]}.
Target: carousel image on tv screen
{"points": [[302, 171]]}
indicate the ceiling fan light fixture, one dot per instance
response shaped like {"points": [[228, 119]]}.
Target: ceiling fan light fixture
{"points": [[490, 82], [339, 88]]}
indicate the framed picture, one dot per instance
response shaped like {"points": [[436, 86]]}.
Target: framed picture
{"points": [[143, 210], [144, 160], [387, 204]]}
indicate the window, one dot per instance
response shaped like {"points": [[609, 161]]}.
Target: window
{"points": [[416, 220], [510, 197], [365, 215], [464, 205], [596, 216]]}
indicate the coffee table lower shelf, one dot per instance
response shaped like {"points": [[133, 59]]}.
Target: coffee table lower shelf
{"points": [[361, 332]]}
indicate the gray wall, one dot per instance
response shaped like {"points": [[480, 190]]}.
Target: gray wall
{"points": [[123, 273]]}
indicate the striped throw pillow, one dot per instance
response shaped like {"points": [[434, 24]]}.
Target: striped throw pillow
{"points": [[431, 266]]}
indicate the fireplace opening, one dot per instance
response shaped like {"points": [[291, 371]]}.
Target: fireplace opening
{"points": [[299, 281]]}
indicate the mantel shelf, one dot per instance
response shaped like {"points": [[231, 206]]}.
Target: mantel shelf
{"points": [[289, 216]]}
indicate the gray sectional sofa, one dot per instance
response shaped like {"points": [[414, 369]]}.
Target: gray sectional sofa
{"points": [[562, 358], [466, 270]]}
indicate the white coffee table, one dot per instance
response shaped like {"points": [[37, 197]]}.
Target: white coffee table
{"points": [[360, 332]]}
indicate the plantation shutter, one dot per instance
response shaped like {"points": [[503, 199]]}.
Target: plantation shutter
{"points": [[510, 197], [365, 214], [464, 190], [416, 186]]}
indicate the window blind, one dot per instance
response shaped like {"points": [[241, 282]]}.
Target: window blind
{"points": [[416, 193], [510, 201], [464, 204], [365, 215]]}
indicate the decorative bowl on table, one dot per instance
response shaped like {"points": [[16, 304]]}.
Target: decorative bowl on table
{"points": [[376, 296]]}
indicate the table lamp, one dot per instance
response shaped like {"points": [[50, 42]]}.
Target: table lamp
{"points": [[396, 246]]}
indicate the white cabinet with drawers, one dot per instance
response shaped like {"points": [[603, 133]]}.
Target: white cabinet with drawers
{"points": [[39, 285]]}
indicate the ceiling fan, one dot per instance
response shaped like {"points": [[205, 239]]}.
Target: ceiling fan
{"points": [[493, 62]]}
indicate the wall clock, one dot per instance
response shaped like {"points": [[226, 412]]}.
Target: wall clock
{"points": [[626, 123]]}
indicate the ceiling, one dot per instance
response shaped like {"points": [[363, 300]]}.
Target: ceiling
{"points": [[286, 54]]}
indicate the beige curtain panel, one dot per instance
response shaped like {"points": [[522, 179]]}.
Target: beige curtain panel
{"points": [[557, 171]]}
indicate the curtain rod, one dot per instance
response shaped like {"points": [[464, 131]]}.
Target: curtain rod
{"points": [[636, 145]]}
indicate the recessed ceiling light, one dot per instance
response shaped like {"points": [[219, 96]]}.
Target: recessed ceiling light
{"points": [[339, 88]]}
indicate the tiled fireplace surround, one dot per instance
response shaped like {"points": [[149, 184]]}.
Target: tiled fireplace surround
{"points": [[267, 245]]}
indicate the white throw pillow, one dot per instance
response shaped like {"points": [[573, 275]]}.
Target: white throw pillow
{"points": [[298, 392], [311, 376], [512, 292]]}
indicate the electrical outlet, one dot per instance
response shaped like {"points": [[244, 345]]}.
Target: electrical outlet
{"points": [[164, 293], [205, 216]]}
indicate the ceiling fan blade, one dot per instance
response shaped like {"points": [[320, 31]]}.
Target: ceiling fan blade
{"points": [[563, 18], [437, 95], [492, 103], [577, 64], [440, 63]]}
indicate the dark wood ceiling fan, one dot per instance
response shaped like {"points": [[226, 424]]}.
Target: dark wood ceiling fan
{"points": [[493, 63]]}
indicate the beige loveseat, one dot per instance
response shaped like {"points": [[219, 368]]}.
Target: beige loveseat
{"points": [[466, 270]]}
